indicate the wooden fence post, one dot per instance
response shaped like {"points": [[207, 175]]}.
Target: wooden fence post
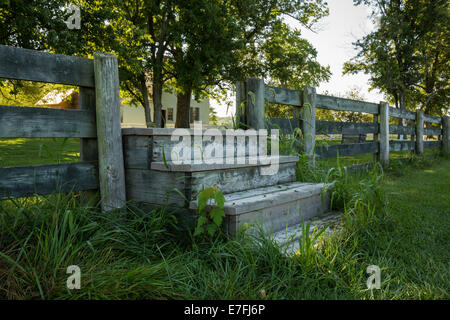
{"points": [[419, 132], [240, 108], [254, 113], [109, 134], [383, 154], [446, 135], [375, 135], [88, 146], [308, 127]]}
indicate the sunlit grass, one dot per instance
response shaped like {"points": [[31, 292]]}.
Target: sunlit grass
{"points": [[25, 151], [141, 254]]}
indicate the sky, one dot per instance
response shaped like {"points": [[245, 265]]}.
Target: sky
{"points": [[333, 39]]}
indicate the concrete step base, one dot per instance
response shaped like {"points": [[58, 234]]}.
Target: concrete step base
{"points": [[274, 208], [288, 239]]}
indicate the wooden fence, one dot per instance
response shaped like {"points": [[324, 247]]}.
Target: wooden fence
{"points": [[97, 124], [254, 94]]}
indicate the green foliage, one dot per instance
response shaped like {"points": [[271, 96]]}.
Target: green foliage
{"points": [[289, 60], [139, 254], [308, 245], [407, 55], [213, 118], [210, 211]]}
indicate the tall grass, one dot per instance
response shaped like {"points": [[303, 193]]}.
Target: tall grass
{"points": [[142, 254]]}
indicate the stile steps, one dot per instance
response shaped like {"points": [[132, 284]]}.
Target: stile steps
{"points": [[274, 201]]}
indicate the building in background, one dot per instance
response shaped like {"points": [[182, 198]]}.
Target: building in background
{"points": [[131, 115], [134, 116], [60, 99]]}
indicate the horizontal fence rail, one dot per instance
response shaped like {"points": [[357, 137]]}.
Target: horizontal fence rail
{"points": [[341, 104], [18, 182], [32, 122], [324, 127], [96, 123], [404, 114], [395, 129], [401, 145], [345, 150], [31, 65], [306, 101], [282, 96]]}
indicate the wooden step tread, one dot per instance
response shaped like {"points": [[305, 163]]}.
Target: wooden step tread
{"points": [[243, 162], [252, 200]]}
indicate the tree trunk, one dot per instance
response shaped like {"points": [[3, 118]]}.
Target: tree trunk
{"points": [[144, 91], [183, 108], [157, 103]]}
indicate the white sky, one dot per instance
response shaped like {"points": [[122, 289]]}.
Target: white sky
{"points": [[333, 40]]}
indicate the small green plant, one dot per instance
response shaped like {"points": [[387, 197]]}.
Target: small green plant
{"points": [[210, 211], [308, 242]]}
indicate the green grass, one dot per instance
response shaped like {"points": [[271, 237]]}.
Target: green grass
{"points": [[398, 220], [17, 152]]}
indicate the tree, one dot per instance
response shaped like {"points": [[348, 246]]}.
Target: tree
{"points": [[38, 25], [407, 55], [289, 61], [205, 40], [188, 46], [219, 42], [213, 118]]}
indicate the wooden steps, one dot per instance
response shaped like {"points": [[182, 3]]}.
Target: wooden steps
{"points": [[274, 208], [275, 200]]}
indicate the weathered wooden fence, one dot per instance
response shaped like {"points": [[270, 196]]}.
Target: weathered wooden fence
{"points": [[254, 94], [97, 124]]}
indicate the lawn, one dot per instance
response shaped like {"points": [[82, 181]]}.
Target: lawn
{"points": [[17, 152], [399, 221]]}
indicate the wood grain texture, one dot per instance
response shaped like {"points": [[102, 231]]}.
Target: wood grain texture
{"points": [[432, 119], [432, 131], [341, 104], [137, 151], [18, 182], [383, 153], [345, 150], [401, 145], [89, 146], [308, 125], [32, 122], [395, 129], [32, 65], [419, 133], [110, 151], [283, 96], [331, 127], [157, 187], [432, 144], [240, 179], [240, 102], [404, 114], [254, 107], [446, 135], [287, 126]]}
